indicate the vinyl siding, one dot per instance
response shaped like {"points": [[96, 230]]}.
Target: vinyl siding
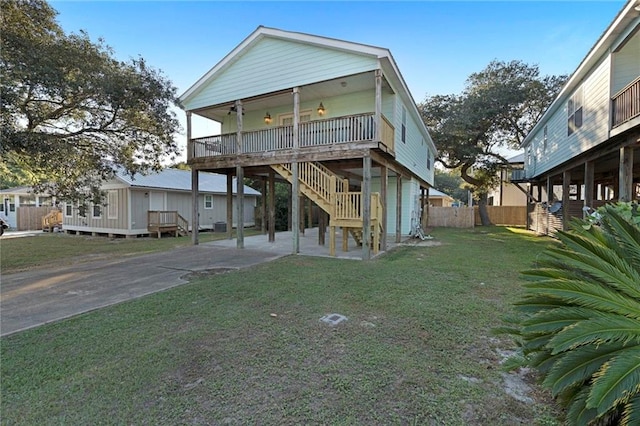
{"points": [[181, 202], [413, 152], [626, 64], [594, 130], [104, 223], [337, 106], [272, 64], [410, 202]]}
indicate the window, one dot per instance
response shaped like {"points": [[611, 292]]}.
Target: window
{"points": [[208, 202], [68, 209], [574, 112], [96, 211], [28, 200], [403, 135], [112, 204], [544, 140], [82, 210], [287, 119], [45, 201], [12, 205], [428, 160]]}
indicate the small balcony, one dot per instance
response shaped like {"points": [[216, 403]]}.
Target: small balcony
{"points": [[352, 129], [625, 105]]}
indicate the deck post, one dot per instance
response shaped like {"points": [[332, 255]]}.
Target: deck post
{"points": [[332, 240], [378, 106], [366, 206], [566, 181], [398, 209], [195, 220], [264, 207], [309, 213], [384, 180], [625, 190], [295, 189], [550, 197], [272, 206], [239, 183], [189, 146], [589, 167], [229, 205]]}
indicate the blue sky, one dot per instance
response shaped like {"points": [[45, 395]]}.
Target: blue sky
{"points": [[436, 44]]}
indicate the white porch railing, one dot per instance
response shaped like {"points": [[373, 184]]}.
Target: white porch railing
{"points": [[340, 130]]}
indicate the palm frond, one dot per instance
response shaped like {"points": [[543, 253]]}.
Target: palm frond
{"points": [[607, 328], [579, 413], [631, 412], [577, 366], [588, 295], [616, 382], [551, 320]]}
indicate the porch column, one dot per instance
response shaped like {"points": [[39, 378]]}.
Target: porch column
{"points": [[189, 148], [589, 167], [378, 106], [384, 180], [550, 197], [229, 205], [195, 214], [566, 181], [425, 209], [263, 207], [295, 185], [625, 181], [272, 206], [366, 206], [398, 209], [239, 182]]}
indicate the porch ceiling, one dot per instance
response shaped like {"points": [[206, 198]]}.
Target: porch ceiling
{"points": [[316, 91]]}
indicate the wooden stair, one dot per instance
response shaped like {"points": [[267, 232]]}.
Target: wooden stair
{"points": [[331, 193]]}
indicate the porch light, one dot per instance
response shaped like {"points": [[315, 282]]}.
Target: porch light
{"points": [[321, 109], [267, 118]]}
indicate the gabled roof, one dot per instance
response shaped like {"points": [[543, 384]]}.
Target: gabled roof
{"points": [[438, 194], [262, 32], [180, 180], [385, 60], [617, 30], [27, 190]]}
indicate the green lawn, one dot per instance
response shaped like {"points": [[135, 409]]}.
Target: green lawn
{"points": [[247, 347], [48, 249]]}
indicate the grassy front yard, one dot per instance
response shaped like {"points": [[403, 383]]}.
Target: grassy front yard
{"points": [[247, 347], [50, 249]]}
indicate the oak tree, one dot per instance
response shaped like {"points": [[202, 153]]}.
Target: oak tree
{"points": [[71, 113]]}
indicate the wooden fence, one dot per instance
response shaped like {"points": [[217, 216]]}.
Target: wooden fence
{"points": [[29, 218], [504, 215], [451, 217]]}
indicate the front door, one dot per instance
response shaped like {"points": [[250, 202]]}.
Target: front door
{"points": [[157, 201]]}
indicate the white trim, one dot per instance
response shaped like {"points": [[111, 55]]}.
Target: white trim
{"points": [[93, 211], [70, 205], [112, 204]]}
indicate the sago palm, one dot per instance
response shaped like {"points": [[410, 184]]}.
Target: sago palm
{"points": [[581, 319]]}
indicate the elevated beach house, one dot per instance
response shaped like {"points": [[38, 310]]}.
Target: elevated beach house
{"points": [[333, 118], [584, 151]]}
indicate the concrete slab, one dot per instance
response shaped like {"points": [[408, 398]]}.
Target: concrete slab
{"points": [[32, 298]]}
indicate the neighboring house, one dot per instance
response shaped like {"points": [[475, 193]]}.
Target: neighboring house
{"points": [[439, 198], [338, 110], [511, 191], [584, 150], [24, 197], [125, 210]]}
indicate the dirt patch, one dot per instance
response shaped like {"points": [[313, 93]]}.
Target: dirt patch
{"points": [[195, 275]]}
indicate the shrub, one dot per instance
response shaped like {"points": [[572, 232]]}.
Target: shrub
{"points": [[580, 318]]}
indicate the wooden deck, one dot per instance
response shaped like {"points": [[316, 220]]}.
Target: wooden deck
{"points": [[323, 136], [163, 221], [625, 105]]}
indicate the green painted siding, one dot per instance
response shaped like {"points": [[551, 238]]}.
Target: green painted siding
{"points": [[413, 152], [272, 65], [626, 64], [410, 202]]}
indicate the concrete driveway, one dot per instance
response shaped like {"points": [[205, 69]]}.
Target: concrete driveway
{"points": [[32, 298]]}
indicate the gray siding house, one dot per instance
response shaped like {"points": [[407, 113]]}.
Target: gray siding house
{"points": [[584, 150], [129, 199]]}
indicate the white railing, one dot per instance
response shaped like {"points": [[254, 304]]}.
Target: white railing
{"points": [[340, 130]]}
